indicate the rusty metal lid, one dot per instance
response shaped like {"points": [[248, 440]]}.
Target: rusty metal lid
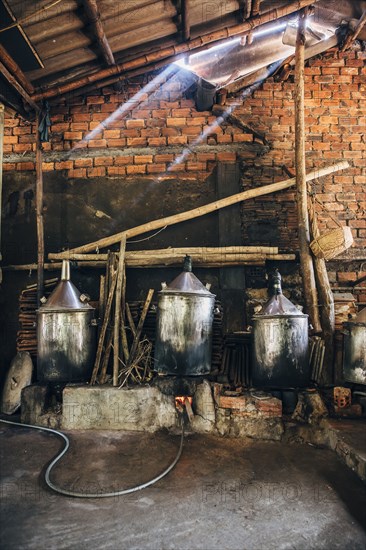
{"points": [[187, 282], [66, 296]]}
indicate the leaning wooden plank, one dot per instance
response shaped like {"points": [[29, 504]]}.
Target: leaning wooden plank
{"points": [[117, 309], [104, 329], [202, 210]]}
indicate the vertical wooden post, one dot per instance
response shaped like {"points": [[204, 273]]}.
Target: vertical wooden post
{"points": [[307, 269], [117, 310], [39, 214], [326, 305], [2, 119]]}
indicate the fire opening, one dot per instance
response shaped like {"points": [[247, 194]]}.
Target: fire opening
{"points": [[180, 401]]}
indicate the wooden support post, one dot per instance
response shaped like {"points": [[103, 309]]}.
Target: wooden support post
{"points": [[2, 116], [39, 215], [117, 310], [200, 211], [327, 313], [308, 278], [185, 20]]}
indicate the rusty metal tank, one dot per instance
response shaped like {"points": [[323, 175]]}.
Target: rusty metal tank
{"points": [[66, 334], [354, 355], [183, 344], [280, 343]]}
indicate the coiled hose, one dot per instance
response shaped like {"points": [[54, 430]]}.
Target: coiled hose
{"points": [[94, 495]]}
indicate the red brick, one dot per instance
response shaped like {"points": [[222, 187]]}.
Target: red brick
{"points": [[156, 168], [97, 143], [78, 173], [175, 121], [164, 158], [96, 172], [143, 159], [191, 130], [103, 161], [111, 134], [10, 139], [48, 166], [135, 123], [196, 166], [8, 167], [83, 163], [22, 147], [119, 161], [136, 142], [136, 169], [73, 135], [117, 142], [232, 402], [116, 171], [64, 165], [156, 142], [177, 140], [269, 407]]}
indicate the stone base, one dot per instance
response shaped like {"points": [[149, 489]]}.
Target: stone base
{"points": [[147, 408]]}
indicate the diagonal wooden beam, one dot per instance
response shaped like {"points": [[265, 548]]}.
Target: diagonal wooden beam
{"points": [[195, 44], [351, 37], [15, 70], [93, 15], [15, 84]]}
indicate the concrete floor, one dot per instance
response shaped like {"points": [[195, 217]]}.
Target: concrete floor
{"points": [[224, 493]]}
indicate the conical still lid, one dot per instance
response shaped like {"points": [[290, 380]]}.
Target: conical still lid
{"points": [[187, 282], [278, 304], [66, 296]]}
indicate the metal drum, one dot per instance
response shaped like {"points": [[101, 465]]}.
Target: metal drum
{"points": [[280, 343], [354, 356], [66, 333], [183, 344]]}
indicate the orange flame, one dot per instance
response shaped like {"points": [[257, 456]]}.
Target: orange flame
{"points": [[181, 400]]}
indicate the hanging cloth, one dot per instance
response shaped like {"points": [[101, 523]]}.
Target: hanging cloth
{"points": [[45, 122]]}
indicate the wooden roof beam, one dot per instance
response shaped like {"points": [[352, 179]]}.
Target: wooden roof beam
{"points": [[93, 15], [193, 45], [15, 70], [15, 84]]}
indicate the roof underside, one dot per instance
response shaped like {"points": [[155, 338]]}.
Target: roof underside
{"points": [[56, 43]]}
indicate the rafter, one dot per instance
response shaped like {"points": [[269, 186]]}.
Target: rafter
{"points": [[15, 70], [351, 37], [15, 84], [93, 15]]}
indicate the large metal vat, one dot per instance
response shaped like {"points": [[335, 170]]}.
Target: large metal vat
{"points": [[354, 356], [280, 343], [66, 334], [183, 344]]}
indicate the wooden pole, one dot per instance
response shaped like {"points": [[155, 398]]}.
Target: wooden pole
{"points": [[326, 298], [15, 70], [117, 310], [140, 326], [352, 37], [200, 211], [186, 19], [2, 121], [92, 12], [194, 44], [39, 214], [307, 269], [15, 84]]}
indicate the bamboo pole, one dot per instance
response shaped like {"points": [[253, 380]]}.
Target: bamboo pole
{"points": [[326, 304], [117, 310], [307, 269], [201, 210], [140, 326], [39, 215], [186, 47]]}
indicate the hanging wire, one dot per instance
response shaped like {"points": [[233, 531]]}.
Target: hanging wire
{"points": [[151, 236]]}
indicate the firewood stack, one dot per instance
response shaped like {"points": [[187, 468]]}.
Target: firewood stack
{"points": [[27, 335]]}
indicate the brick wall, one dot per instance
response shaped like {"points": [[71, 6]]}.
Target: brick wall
{"points": [[149, 139]]}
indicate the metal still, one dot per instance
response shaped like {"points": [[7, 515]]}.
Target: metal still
{"points": [[280, 343], [183, 344], [354, 356], [66, 334]]}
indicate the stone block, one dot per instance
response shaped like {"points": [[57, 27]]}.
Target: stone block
{"points": [[204, 409], [33, 408], [142, 408]]}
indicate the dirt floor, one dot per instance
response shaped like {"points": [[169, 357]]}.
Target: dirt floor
{"points": [[223, 493]]}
